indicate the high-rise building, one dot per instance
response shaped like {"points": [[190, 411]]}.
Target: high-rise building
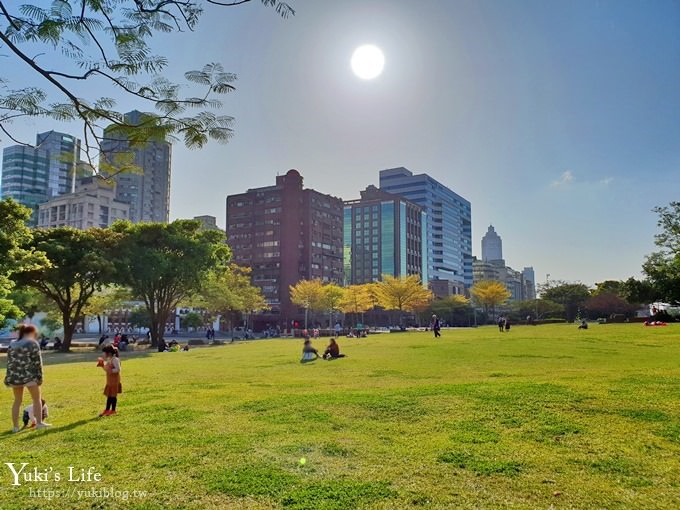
{"points": [[286, 233], [449, 223], [147, 189], [63, 152], [492, 245], [383, 234], [492, 266], [529, 282], [32, 175], [25, 173], [92, 204]]}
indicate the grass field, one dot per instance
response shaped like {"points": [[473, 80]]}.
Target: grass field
{"points": [[540, 417]]}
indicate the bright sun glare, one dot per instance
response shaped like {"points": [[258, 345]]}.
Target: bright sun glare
{"points": [[368, 62]]}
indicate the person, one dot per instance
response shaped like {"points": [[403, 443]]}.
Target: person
{"points": [[29, 416], [507, 324], [207, 334], [501, 323], [333, 350], [583, 325], [24, 370], [110, 363], [338, 329], [309, 353], [436, 326], [57, 343], [43, 343]]}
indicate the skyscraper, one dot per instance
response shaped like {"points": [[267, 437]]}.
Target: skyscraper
{"points": [[383, 234], [63, 152], [449, 223], [285, 233], [147, 190], [492, 245], [529, 282], [33, 175]]}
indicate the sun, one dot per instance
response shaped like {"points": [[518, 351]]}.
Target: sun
{"points": [[368, 62]]}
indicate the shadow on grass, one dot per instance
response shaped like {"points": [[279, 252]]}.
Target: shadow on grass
{"points": [[55, 430]]}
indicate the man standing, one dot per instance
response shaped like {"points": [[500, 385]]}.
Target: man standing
{"points": [[436, 326]]}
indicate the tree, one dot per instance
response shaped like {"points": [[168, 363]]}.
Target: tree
{"points": [[403, 294], [193, 320], [606, 304], [104, 46], [490, 294], [356, 300], [105, 301], [229, 292], [80, 263], [16, 253], [331, 297], [163, 264], [640, 291], [454, 309], [570, 295], [663, 267], [307, 294], [610, 287], [536, 308]]}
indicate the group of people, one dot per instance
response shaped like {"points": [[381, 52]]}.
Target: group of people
{"points": [[25, 374], [309, 353], [503, 324]]}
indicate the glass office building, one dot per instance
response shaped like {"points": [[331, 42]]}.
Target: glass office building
{"points": [[25, 176], [33, 175], [383, 234], [448, 225]]}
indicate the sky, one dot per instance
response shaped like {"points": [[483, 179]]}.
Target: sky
{"points": [[559, 121]]}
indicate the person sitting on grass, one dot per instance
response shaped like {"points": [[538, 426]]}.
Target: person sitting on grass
{"points": [[309, 353], [29, 417], [583, 325], [333, 350]]}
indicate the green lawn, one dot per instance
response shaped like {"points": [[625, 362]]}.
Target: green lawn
{"points": [[537, 417]]}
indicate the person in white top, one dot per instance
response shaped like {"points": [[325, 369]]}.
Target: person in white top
{"points": [[29, 415]]}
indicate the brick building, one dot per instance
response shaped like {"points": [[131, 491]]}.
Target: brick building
{"points": [[285, 233]]}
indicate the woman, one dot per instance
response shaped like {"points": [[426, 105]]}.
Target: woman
{"points": [[333, 350], [309, 353], [24, 370]]}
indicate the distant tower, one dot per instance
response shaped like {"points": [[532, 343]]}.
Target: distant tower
{"points": [[147, 191], [492, 245]]}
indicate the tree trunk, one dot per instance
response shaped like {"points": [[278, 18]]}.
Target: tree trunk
{"points": [[99, 322], [69, 328]]}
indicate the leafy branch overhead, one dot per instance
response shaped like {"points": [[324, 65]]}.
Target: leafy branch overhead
{"points": [[106, 44]]}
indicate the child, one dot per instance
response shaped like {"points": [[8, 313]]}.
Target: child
{"points": [[29, 417], [111, 365]]}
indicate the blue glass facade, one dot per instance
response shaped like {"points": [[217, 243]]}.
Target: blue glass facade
{"points": [[387, 238], [449, 223], [383, 236]]}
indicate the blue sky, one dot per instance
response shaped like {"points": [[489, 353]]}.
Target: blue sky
{"points": [[559, 120]]}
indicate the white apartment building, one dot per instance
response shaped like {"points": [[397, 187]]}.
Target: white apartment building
{"points": [[93, 204]]}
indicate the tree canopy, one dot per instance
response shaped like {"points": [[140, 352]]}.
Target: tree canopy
{"points": [[80, 263], [404, 294], [663, 267], [106, 44], [163, 264], [490, 294]]}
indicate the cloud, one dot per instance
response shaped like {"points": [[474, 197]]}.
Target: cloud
{"points": [[565, 179]]}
